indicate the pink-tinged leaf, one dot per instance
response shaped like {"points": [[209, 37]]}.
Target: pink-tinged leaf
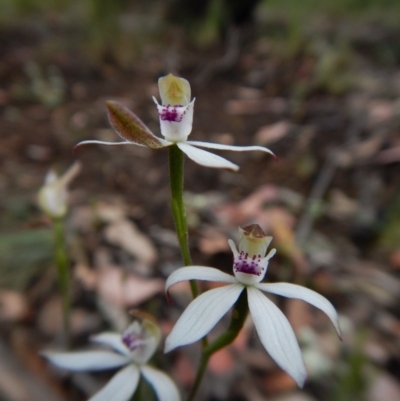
{"points": [[130, 128]]}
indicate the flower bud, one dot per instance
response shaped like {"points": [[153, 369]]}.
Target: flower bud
{"points": [[53, 196]]}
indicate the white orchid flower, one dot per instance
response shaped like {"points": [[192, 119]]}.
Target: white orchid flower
{"points": [[53, 196], [249, 268], [133, 350], [176, 118]]}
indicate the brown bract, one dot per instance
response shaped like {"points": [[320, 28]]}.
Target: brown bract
{"points": [[129, 126]]}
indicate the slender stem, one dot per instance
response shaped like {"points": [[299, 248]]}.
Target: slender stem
{"points": [[176, 162], [62, 264], [239, 315]]}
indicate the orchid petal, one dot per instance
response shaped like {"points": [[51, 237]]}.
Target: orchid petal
{"points": [[112, 340], [199, 273], [121, 387], [205, 158], [130, 128], [174, 90], [175, 121], [296, 291], [70, 174], [162, 384], [98, 142], [221, 146], [276, 335], [86, 360], [142, 338], [202, 315], [52, 198]]}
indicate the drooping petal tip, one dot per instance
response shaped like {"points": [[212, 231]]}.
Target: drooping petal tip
{"points": [[276, 335]]}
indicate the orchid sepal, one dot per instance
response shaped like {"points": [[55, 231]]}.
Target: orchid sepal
{"points": [[174, 91]]}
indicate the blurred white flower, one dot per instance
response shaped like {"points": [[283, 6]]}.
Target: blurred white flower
{"points": [[176, 119], [249, 268], [53, 196], [132, 349]]}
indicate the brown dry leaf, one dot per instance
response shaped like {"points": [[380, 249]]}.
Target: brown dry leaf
{"points": [[394, 259], [223, 361], [213, 241], [377, 351], [126, 289], [85, 275], [22, 371], [82, 218], [384, 387], [184, 370], [251, 107], [361, 152], [372, 278], [282, 228], [237, 213], [272, 133], [50, 319], [387, 156], [247, 93], [295, 396], [380, 111], [125, 234], [298, 313], [111, 211], [278, 382], [388, 324], [13, 305], [341, 206]]}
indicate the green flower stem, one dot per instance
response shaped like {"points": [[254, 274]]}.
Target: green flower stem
{"points": [[239, 315], [62, 265], [176, 162]]}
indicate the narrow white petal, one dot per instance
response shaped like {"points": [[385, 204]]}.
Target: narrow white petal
{"points": [[199, 273], [70, 174], [299, 292], [232, 245], [206, 158], [162, 384], [86, 360], [121, 387], [220, 146], [113, 340], [95, 141], [202, 315], [276, 335], [98, 142]]}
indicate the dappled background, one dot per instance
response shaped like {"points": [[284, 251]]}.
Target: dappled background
{"points": [[318, 82]]}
